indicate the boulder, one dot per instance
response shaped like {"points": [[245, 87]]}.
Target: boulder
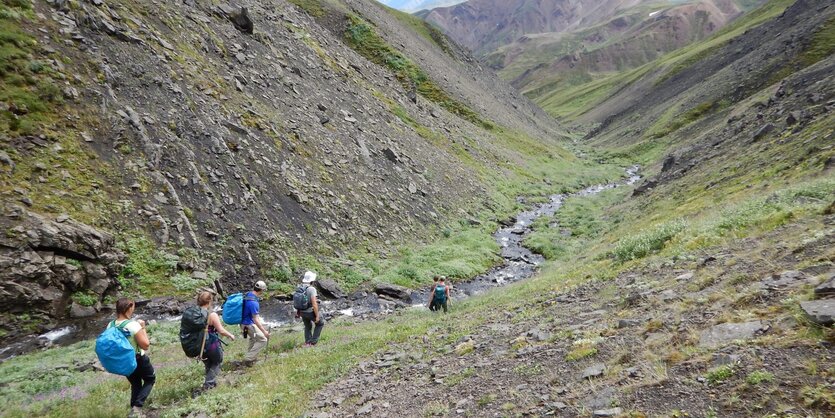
{"points": [[239, 16], [726, 333], [820, 311], [79, 311], [393, 291], [826, 288], [329, 289]]}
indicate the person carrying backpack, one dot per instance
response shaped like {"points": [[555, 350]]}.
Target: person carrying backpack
{"points": [[440, 295], [143, 377], [306, 302], [432, 305], [212, 354], [252, 325]]}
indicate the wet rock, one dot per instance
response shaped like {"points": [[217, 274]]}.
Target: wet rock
{"points": [[726, 333], [393, 291], [593, 371], [329, 289], [820, 311], [826, 288]]}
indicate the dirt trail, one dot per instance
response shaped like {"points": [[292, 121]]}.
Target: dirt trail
{"points": [[645, 342]]}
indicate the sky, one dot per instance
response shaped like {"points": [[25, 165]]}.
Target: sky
{"points": [[415, 5]]}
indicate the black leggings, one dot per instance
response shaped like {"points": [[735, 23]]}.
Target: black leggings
{"points": [[141, 381]]}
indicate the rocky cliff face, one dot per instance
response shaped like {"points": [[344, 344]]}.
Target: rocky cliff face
{"points": [[44, 262], [243, 133]]}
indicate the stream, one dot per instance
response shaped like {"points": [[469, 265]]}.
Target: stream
{"points": [[519, 264]]}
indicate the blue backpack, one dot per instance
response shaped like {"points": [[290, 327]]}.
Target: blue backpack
{"points": [[440, 293], [233, 308], [114, 351]]}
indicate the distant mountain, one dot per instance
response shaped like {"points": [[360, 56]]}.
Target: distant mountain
{"points": [[540, 44], [417, 5]]}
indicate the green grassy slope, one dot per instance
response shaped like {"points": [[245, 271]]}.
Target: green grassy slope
{"points": [[571, 101]]}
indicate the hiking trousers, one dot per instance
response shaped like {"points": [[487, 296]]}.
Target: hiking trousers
{"points": [[439, 305], [141, 381], [311, 334], [212, 361], [257, 343]]}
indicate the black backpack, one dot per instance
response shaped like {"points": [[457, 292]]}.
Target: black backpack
{"points": [[193, 329], [300, 299]]}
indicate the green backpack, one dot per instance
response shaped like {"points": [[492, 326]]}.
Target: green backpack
{"points": [[193, 330], [440, 293]]}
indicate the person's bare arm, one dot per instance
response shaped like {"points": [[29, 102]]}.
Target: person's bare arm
{"points": [[315, 302], [431, 297], [214, 320], [257, 320], [142, 339]]}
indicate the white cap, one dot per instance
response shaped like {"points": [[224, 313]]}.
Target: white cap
{"points": [[260, 285], [309, 277]]}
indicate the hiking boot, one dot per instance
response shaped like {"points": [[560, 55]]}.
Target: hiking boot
{"points": [[135, 412], [249, 363], [307, 345]]}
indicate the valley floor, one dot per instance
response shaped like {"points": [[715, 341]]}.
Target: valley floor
{"points": [[644, 344]]}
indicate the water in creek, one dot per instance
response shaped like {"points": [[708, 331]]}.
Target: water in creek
{"points": [[519, 264]]}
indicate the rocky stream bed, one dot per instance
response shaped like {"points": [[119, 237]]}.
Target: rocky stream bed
{"points": [[520, 263]]}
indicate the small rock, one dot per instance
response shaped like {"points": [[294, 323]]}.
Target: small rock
{"points": [[595, 370], [628, 323], [6, 160], [722, 359], [820, 311], [763, 131], [366, 409], [611, 412], [726, 333], [826, 288], [686, 277]]}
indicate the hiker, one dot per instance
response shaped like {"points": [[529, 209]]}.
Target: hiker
{"points": [[306, 302], [213, 353], [440, 295], [432, 305], [252, 325], [142, 379]]}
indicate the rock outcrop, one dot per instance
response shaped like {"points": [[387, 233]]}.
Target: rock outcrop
{"points": [[44, 261]]}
